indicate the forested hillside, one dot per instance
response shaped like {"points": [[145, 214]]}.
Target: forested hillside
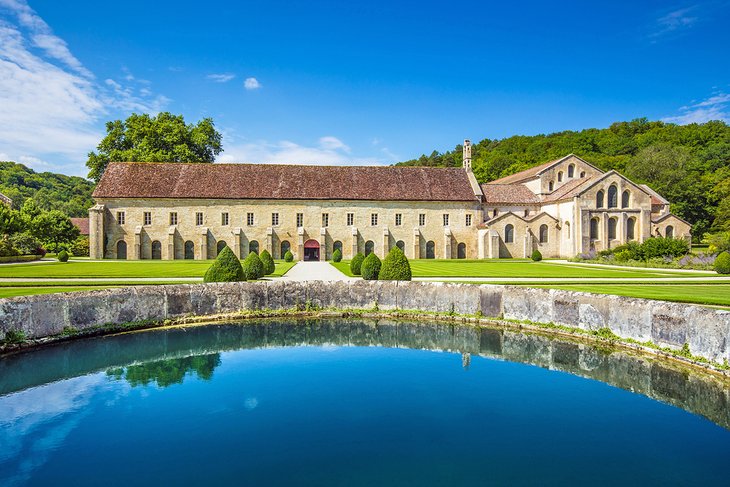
{"points": [[688, 164], [50, 191]]}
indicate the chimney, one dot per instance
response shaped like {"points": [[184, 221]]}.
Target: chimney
{"points": [[467, 155]]}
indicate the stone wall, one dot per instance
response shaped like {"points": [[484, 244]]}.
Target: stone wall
{"points": [[705, 330]]}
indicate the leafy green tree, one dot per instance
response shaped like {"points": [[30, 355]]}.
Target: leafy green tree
{"points": [[395, 266], [253, 268], [165, 373], [370, 268], [10, 220], [337, 255], [356, 263], [54, 229], [161, 138], [226, 268], [268, 262]]}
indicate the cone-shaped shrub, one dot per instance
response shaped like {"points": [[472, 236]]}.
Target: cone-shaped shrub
{"points": [[356, 263], [395, 266], [253, 268], [336, 256], [226, 268], [370, 267], [288, 257], [62, 256], [268, 261], [722, 263], [536, 255]]}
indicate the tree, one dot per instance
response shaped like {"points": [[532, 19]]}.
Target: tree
{"points": [[268, 262], [161, 138], [226, 268], [54, 228], [10, 220], [253, 268], [395, 266], [371, 267]]}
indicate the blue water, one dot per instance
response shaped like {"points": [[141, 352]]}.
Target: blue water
{"points": [[345, 415]]}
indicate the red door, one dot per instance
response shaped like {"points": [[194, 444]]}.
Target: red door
{"points": [[311, 250]]}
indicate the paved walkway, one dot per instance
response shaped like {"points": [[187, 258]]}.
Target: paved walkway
{"points": [[315, 271]]}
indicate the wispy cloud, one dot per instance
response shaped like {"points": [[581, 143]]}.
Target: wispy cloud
{"points": [[674, 22], [251, 84], [713, 108], [221, 78]]}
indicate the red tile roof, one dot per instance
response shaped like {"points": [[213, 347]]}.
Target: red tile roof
{"points": [[278, 181], [524, 175], [569, 190], [517, 194], [82, 224]]}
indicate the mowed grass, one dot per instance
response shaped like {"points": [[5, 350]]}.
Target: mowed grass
{"points": [[15, 291], [522, 269], [708, 294], [119, 268]]}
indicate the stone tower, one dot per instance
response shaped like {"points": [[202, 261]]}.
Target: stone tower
{"points": [[467, 155]]}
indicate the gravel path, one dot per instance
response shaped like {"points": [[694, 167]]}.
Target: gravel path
{"points": [[315, 271]]}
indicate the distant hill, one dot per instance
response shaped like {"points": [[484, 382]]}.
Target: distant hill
{"points": [[689, 164], [51, 191]]}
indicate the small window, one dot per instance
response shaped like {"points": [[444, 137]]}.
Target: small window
{"points": [[274, 219], [571, 171], [173, 218], [468, 220], [582, 174], [398, 219], [325, 219], [120, 218], [495, 212], [625, 198], [612, 223], [249, 219], [612, 196], [509, 233], [543, 233], [199, 218], [599, 199], [369, 247], [300, 220], [421, 219], [148, 218], [527, 212], [669, 232], [446, 219], [350, 219], [594, 229], [224, 218], [551, 186], [560, 176], [373, 219], [630, 228]]}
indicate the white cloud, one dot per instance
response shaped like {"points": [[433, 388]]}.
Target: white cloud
{"points": [[674, 22], [251, 84], [713, 108], [221, 78], [333, 143]]}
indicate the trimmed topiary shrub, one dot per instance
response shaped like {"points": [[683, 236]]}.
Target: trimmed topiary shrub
{"points": [[657, 247], [722, 263], [253, 268], [288, 257], [62, 256], [226, 268], [356, 263], [370, 267], [336, 256], [395, 266], [268, 261], [536, 255]]}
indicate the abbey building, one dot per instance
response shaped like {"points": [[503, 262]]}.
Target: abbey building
{"points": [[191, 211]]}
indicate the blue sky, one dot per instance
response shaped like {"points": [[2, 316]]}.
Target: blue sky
{"points": [[351, 82]]}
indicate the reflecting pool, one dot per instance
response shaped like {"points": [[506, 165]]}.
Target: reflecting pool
{"points": [[353, 402]]}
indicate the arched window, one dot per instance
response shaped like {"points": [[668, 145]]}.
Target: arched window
{"points": [[401, 245], [430, 250], [625, 198], [566, 230], [156, 250], [612, 222], [669, 232], [543, 233], [337, 246], [461, 251], [220, 246], [189, 250], [284, 247], [630, 228], [369, 247], [571, 171], [253, 246], [509, 234], [599, 199], [551, 186], [612, 196], [495, 212], [122, 250], [560, 176], [594, 228], [582, 174]]}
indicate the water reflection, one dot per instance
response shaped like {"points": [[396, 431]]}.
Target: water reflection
{"points": [[166, 357]]}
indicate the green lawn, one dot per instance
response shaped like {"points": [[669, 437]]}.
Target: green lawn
{"points": [[13, 291], [521, 268], [712, 294]]}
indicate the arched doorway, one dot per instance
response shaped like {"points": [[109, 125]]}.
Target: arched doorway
{"points": [[369, 247], [122, 250], [220, 246], [337, 246], [669, 232], [311, 250], [401, 245], [461, 251], [285, 247], [430, 250], [156, 250], [253, 246], [189, 250]]}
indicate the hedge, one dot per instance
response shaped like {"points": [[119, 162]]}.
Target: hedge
{"points": [[536, 255], [268, 261], [253, 268], [337, 255], [356, 263], [370, 267], [288, 257], [226, 268], [62, 256], [722, 263], [395, 266]]}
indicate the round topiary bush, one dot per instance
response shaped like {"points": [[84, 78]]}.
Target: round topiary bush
{"points": [[370, 267], [288, 257], [536, 255], [253, 268], [336, 255], [226, 268], [268, 261], [722, 263], [62, 256], [356, 263], [395, 266]]}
